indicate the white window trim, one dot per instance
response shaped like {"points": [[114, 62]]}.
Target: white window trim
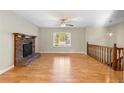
{"points": [[62, 45]]}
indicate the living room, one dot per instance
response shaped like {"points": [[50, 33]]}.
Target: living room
{"points": [[61, 46], [32, 37]]}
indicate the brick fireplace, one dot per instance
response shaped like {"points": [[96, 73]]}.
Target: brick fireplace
{"points": [[24, 49]]}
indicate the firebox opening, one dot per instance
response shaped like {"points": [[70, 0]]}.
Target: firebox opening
{"points": [[27, 49]]}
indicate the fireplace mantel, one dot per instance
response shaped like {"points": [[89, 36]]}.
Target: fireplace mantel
{"points": [[19, 40]]}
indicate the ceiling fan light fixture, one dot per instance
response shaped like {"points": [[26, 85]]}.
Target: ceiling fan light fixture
{"points": [[63, 25]]}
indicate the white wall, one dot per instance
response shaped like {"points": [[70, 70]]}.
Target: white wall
{"points": [[100, 35], [96, 35], [118, 30], [77, 38], [10, 23]]}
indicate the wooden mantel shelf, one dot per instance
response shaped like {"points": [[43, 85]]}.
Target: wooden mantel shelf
{"points": [[24, 35]]}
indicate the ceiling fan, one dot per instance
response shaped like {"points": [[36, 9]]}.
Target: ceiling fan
{"points": [[63, 23]]}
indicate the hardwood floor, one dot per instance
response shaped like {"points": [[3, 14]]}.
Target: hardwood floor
{"points": [[63, 68]]}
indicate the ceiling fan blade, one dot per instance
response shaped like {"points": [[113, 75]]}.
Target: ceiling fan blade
{"points": [[69, 25]]}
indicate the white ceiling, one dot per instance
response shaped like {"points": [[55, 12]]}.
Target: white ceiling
{"points": [[79, 18]]}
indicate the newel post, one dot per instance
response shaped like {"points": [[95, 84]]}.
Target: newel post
{"points": [[87, 49], [114, 61]]}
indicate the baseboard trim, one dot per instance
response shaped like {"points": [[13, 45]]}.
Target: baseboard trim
{"points": [[64, 52], [6, 69]]}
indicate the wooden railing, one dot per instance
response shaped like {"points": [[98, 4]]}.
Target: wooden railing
{"points": [[111, 56]]}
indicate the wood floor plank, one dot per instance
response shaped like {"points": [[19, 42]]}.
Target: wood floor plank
{"points": [[64, 68]]}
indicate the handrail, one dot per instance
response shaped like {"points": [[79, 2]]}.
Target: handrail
{"points": [[112, 56], [100, 46]]}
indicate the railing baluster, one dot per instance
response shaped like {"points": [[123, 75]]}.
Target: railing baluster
{"points": [[107, 55]]}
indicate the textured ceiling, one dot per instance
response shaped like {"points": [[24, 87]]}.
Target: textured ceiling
{"points": [[79, 18]]}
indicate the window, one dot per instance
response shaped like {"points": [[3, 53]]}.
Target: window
{"points": [[61, 39]]}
